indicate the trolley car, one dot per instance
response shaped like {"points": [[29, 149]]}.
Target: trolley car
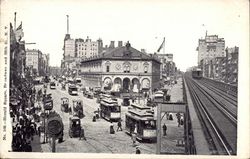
{"points": [[110, 110], [103, 96], [140, 120], [197, 73]]}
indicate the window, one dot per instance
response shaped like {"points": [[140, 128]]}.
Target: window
{"points": [[145, 69], [126, 69], [107, 68]]}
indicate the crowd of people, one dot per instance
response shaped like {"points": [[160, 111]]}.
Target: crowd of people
{"points": [[24, 116]]}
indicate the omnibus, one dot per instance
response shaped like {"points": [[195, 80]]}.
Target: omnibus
{"points": [[140, 120], [72, 89], [110, 110]]}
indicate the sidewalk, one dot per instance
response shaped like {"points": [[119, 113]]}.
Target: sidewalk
{"points": [[174, 133]]}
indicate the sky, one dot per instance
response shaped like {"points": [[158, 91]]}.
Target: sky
{"points": [[144, 23]]}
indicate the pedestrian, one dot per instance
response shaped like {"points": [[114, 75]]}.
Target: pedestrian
{"points": [[137, 151], [39, 130], [112, 131], [133, 137], [97, 114], [94, 118], [119, 125], [70, 110], [164, 127], [82, 135]]}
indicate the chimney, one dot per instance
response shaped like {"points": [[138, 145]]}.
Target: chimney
{"points": [[119, 43], [112, 44], [143, 50]]}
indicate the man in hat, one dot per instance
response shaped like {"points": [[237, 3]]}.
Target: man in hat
{"points": [[137, 151], [164, 127]]}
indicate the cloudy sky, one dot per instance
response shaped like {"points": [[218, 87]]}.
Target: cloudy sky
{"points": [[143, 22]]}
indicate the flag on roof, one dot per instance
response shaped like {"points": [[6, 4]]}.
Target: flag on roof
{"points": [[20, 27], [19, 32], [162, 45]]}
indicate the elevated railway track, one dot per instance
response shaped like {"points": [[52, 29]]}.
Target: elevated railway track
{"points": [[217, 112]]}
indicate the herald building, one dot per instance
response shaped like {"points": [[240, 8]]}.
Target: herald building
{"points": [[123, 69]]}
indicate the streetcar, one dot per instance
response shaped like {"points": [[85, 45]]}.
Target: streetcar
{"points": [[140, 120], [72, 89], [102, 96], [110, 110], [197, 73]]}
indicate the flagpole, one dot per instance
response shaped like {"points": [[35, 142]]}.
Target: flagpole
{"points": [[164, 46], [15, 21]]}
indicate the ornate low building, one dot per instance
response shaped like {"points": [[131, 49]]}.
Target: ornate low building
{"points": [[123, 69]]}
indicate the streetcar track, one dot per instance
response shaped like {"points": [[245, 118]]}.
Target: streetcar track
{"points": [[95, 147]]}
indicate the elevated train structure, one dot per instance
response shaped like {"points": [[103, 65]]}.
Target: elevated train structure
{"points": [[213, 116]]}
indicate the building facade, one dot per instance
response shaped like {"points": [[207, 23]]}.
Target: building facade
{"points": [[123, 69], [69, 47], [210, 47], [37, 62], [86, 49], [168, 67], [224, 69]]}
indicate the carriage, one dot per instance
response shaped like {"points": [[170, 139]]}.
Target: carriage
{"points": [[65, 104], [74, 126], [78, 108]]}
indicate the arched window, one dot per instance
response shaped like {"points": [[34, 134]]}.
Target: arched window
{"points": [[145, 69], [126, 67], [107, 68]]}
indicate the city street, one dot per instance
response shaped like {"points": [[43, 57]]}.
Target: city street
{"points": [[99, 140]]}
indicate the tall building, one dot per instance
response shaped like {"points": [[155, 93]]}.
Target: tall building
{"points": [[37, 62], [87, 49], [69, 48], [210, 47]]}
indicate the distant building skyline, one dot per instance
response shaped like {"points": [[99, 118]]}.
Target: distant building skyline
{"points": [[131, 21]]}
